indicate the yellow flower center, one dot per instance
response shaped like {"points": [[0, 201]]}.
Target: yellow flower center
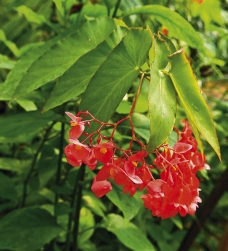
{"points": [[103, 150], [134, 163], [78, 147], [73, 123], [174, 168]]}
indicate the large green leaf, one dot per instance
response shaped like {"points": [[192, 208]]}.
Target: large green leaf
{"points": [[76, 79], [178, 26], [8, 193], [115, 76], [7, 89], [128, 233], [86, 221], [60, 55], [190, 95], [128, 205], [16, 128], [161, 97], [27, 229]]}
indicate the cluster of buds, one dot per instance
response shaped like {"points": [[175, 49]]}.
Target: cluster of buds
{"points": [[177, 189]]}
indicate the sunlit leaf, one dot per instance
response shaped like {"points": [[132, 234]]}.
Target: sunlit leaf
{"points": [[57, 56], [76, 79], [189, 93], [161, 97], [177, 26], [115, 76], [127, 233]]}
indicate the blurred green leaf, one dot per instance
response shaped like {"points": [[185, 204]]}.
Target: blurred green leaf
{"points": [[8, 193], [128, 205], [12, 46], [6, 63], [93, 203], [209, 11], [29, 228], [40, 69], [127, 233], [33, 17], [177, 26], [141, 125], [27, 105], [86, 222], [13, 164], [124, 107], [15, 128]]}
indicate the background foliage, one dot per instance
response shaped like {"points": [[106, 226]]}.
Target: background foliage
{"points": [[54, 57]]}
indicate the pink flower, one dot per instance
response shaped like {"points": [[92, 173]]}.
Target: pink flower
{"points": [[101, 187], [104, 152], [77, 126]]}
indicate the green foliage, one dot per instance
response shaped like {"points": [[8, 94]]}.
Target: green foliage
{"points": [[161, 97], [30, 228]]}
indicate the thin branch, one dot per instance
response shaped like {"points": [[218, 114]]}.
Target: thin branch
{"points": [[204, 212], [116, 9], [58, 173], [78, 207], [33, 165], [72, 206]]}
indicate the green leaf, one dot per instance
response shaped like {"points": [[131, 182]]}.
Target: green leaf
{"points": [[141, 125], [76, 79], [29, 228], [86, 221], [191, 98], [27, 105], [161, 97], [33, 17], [12, 46], [13, 79], [128, 233], [58, 56], [15, 128], [124, 107], [14, 165], [209, 11], [128, 205], [178, 26], [93, 203], [6, 63], [8, 193], [115, 76]]}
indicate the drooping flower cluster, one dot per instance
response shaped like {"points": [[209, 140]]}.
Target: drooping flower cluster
{"points": [[177, 189]]}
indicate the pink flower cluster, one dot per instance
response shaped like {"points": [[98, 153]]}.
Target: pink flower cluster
{"points": [[177, 189]]}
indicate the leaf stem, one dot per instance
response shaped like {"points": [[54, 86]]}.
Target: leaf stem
{"points": [[116, 8], [58, 173], [137, 95], [80, 176], [24, 192], [78, 207]]}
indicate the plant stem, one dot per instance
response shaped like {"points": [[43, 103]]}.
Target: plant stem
{"points": [[78, 207], [58, 173], [116, 8], [72, 205], [136, 96], [24, 192]]}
